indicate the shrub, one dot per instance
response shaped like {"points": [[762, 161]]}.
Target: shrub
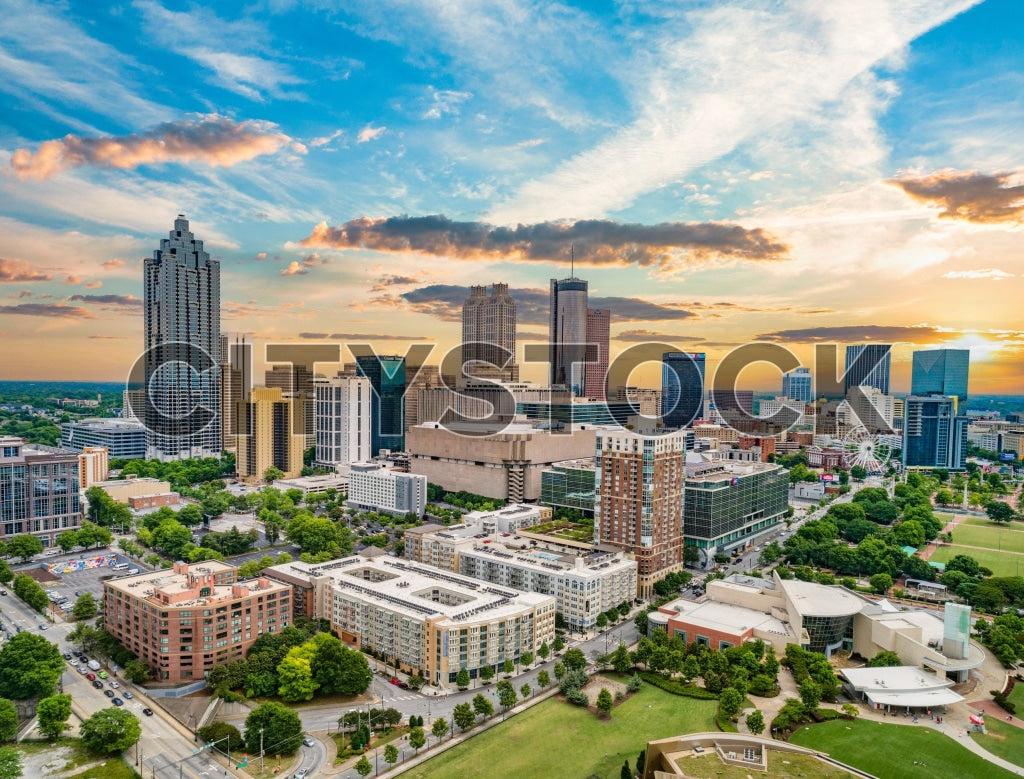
{"points": [[577, 697], [635, 682], [676, 687]]}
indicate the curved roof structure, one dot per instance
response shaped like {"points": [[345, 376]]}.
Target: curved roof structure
{"points": [[820, 600]]}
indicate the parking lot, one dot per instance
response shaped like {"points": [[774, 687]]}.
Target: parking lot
{"points": [[86, 580]]}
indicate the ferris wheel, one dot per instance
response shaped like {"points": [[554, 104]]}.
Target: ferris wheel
{"points": [[862, 447]]}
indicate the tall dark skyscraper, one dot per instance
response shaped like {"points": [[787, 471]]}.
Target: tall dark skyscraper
{"points": [[387, 404], [933, 435], [181, 306], [568, 332], [868, 365], [489, 330], [941, 372], [682, 388]]}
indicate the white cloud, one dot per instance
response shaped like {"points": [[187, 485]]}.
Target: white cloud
{"points": [[444, 101], [370, 133], [993, 274], [716, 78]]}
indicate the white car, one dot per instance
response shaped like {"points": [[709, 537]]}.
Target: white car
{"points": [[114, 684]]}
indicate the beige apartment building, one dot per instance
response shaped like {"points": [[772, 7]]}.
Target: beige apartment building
{"points": [[268, 434]]}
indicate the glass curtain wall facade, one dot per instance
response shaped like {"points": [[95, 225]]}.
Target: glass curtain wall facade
{"points": [[682, 388], [569, 486], [387, 378]]}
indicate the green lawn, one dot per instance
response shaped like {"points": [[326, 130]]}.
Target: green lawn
{"points": [[114, 768], [555, 738], [1003, 739], [990, 535], [1017, 696], [1000, 563], [890, 750]]}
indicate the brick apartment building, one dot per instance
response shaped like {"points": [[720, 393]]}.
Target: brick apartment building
{"points": [[185, 620]]}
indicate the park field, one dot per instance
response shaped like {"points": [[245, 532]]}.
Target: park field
{"points": [[1002, 739], [891, 750], [555, 738], [980, 532], [1001, 563]]}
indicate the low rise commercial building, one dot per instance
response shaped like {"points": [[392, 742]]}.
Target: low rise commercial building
{"points": [[423, 619], [570, 484], [505, 465], [124, 439], [122, 490], [372, 487], [316, 485], [93, 466], [190, 618]]}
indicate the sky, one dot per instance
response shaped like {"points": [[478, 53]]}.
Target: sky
{"points": [[798, 172]]}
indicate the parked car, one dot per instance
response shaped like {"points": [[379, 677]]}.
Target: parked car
{"points": [[403, 685], [117, 701], [98, 684], [109, 693], [114, 684], [67, 655], [43, 627], [308, 741], [102, 674], [91, 677], [3, 592], [394, 681], [148, 712], [127, 694]]}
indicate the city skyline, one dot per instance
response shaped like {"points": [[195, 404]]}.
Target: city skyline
{"points": [[354, 176]]}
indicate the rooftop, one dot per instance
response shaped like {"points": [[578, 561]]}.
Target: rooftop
{"points": [[821, 600], [725, 617]]}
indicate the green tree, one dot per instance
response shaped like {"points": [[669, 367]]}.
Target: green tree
{"points": [[944, 497], [363, 767], [462, 680], [338, 669], [10, 763], [486, 673], [730, 701], [559, 671], [28, 589], [620, 659], [136, 671], [296, 675], [755, 722], [464, 716], [525, 691], [859, 472], [109, 731], [810, 694], [544, 652], [558, 644], [604, 703], [29, 666], [8, 720], [417, 738], [24, 546], [526, 658], [439, 728], [280, 725], [273, 474], [543, 679], [67, 540], [1000, 512], [53, 713], [507, 696], [482, 706], [880, 583], [575, 660], [390, 754], [6, 574], [508, 667], [885, 659], [223, 732], [85, 606]]}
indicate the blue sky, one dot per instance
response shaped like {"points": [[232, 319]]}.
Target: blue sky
{"points": [[794, 172]]}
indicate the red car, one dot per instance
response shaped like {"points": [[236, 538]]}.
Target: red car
{"points": [[91, 677], [394, 681]]}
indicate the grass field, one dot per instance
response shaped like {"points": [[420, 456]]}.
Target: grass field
{"points": [[990, 535], [890, 750], [1000, 563], [555, 738], [1002, 739], [780, 766], [1017, 696]]}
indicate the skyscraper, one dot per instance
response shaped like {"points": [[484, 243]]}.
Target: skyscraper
{"points": [[933, 435], [344, 420], [235, 384], [296, 382], [182, 341], [797, 385], [387, 379], [595, 377], [868, 365], [941, 372], [489, 331], [267, 435], [568, 332], [682, 388], [639, 480]]}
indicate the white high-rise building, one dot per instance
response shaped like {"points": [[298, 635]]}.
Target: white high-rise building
{"points": [[373, 487], [343, 420], [489, 331], [182, 340]]}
